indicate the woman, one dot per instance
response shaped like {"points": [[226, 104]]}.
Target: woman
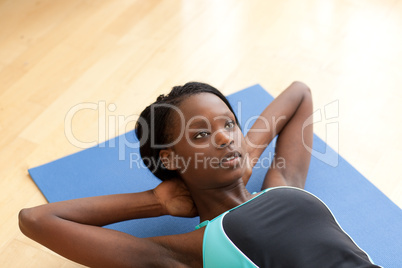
{"points": [[192, 140]]}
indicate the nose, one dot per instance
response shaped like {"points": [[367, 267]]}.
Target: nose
{"points": [[223, 139]]}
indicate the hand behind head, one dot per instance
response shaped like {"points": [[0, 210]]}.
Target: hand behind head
{"points": [[175, 198]]}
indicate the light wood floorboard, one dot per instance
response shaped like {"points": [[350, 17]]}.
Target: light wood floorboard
{"points": [[57, 54]]}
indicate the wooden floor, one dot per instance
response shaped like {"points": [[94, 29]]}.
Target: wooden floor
{"points": [[57, 54]]}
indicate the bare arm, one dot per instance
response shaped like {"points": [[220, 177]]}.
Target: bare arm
{"points": [[284, 117], [72, 229]]}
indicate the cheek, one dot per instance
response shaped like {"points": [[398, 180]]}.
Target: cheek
{"points": [[197, 163], [198, 160]]}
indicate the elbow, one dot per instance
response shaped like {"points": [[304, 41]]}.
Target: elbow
{"points": [[25, 221], [29, 222], [302, 87]]}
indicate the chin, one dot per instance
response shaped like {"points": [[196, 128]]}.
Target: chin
{"points": [[233, 175]]}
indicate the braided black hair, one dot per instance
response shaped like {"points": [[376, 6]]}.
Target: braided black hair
{"points": [[151, 128]]}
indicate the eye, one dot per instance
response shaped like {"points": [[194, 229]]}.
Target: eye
{"points": [[201, 134], [230, 124]]}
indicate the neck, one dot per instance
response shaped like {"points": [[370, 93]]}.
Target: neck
{"points": [[213, 202]]}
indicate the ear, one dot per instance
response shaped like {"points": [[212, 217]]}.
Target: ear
{"points": [[167, 158]]}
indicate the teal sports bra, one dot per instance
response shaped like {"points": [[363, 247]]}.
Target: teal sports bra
{"points": [[280, 227], [214, 237]]}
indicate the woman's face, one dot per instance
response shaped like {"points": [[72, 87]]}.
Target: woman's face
{"points": [[207, 146]]}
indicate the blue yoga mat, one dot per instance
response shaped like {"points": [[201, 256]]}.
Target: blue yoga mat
{"points": [[365, 213]]}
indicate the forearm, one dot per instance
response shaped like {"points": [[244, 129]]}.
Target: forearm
{"points": [[275, 117], [99, 210], [291, 104], [292, 150], [71, 229]]}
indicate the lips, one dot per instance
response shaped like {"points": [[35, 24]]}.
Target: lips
{"points": [[230, 156]]}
